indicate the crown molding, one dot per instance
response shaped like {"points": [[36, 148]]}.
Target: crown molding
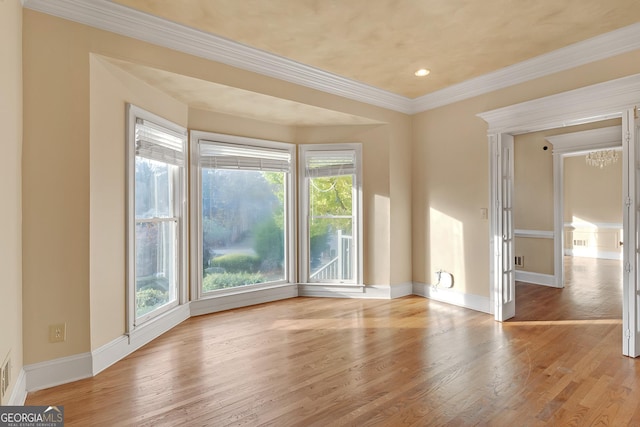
{"points": [[588, 104], [600, 47], [122, 20]]}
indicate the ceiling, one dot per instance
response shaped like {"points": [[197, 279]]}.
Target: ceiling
{"points": [[382, 42]]}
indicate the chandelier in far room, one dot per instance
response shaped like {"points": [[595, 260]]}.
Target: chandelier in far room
{"points": [[602, 158]]}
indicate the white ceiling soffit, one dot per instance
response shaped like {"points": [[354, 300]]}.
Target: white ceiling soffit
{"points": [[586, 140], [122, 20]]}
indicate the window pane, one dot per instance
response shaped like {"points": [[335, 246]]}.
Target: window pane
{"points": [[155, 265], [243, 226], [331, 252], [331, 195], [153, 188]]}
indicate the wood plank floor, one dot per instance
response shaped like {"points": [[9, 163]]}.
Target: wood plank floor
{"points": [[593, 290], [326, 362]]}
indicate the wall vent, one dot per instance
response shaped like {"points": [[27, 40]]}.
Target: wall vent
{"points": [[580, 242]]}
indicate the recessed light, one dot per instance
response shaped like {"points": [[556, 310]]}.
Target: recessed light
{"points": [[422, 72]]}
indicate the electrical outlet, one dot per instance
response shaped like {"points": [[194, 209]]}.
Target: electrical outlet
{"points": [[519, 261], [58, 332]]}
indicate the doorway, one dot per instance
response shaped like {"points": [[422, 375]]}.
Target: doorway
{"points": [[553, 181], [599, 102]]}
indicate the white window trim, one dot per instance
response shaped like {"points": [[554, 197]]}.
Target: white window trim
{"points": [[290, 239], [181, 209], [303, 202]]}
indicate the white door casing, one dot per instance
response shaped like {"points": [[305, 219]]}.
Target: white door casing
{"points": [[612, 99]]}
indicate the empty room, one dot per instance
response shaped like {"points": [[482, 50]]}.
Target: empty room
{"points": [[307, 212]]}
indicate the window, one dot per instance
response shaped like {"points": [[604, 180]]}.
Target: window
{"points": [[331, 213], [242, 201], [156, 228]]}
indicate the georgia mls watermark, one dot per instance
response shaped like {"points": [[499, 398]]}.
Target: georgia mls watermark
{"points": [[31, 416]]}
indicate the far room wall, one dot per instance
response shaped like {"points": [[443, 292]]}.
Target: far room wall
{"points": [[534, 194]]}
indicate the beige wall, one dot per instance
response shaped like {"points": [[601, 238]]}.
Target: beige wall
{"points": [[450, 174], [74, 208], [55, 187], [533, 182], [533, 200], [401, 192], [592, 194], [10, 187], [450, 187]]}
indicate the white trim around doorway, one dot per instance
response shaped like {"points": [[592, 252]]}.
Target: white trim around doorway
{"points": [[613, 99]]}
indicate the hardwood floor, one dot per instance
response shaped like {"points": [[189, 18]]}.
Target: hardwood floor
{"points": [[325, 362], [593, 290]]}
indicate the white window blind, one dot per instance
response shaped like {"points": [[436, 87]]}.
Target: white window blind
{"points": [[330, 163], [231, 156], [159, 143]]}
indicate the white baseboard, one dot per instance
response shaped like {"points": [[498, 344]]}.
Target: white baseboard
{"points": [[116, 350], [591, 253], [19, 393], [243, 299], [355, 291], [537, 278], [451, 296], [58, 371], [110, 353], [337, 291], [401, 290]]}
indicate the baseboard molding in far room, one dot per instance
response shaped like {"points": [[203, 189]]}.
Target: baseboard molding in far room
{"points": [[454, 297], [536, 278], [590, 253]]}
